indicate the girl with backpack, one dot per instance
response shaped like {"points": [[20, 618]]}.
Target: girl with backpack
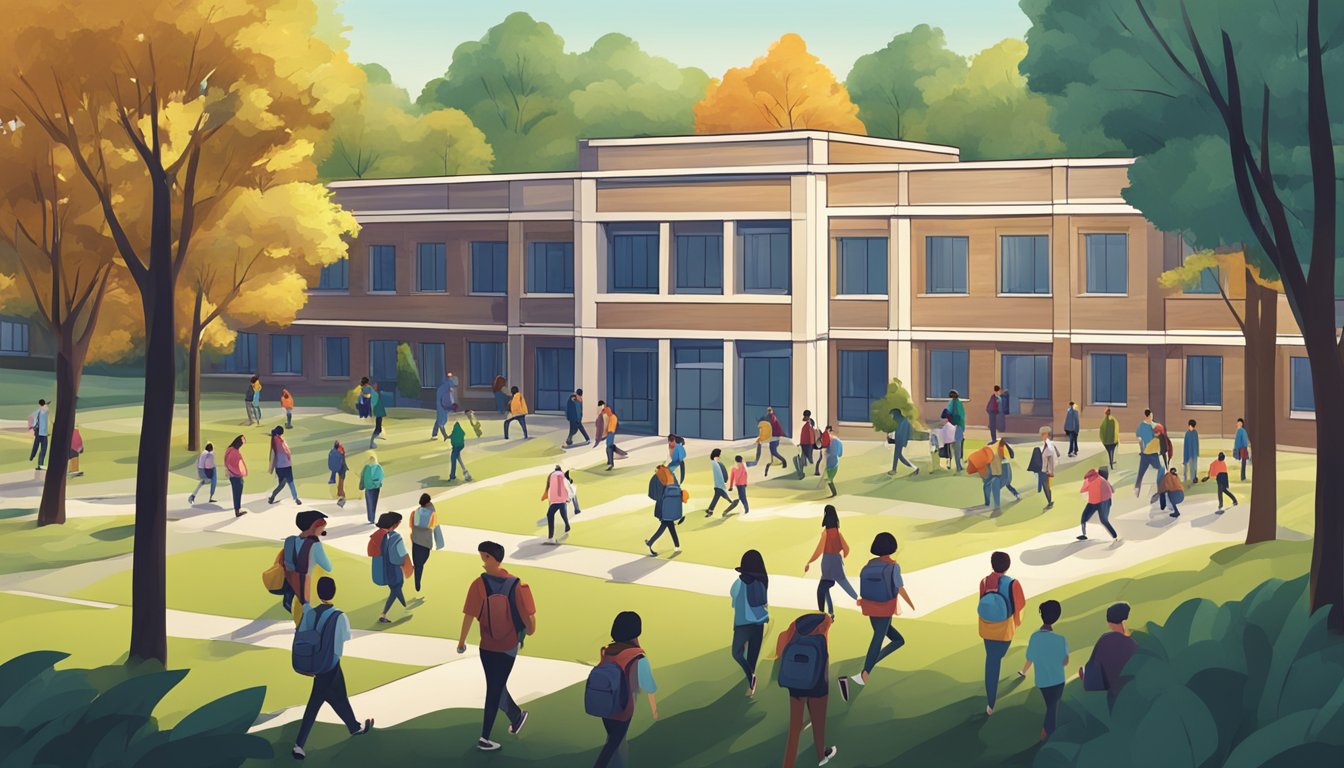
{"points": [[425, 533], [1000, 614], [881, 589], [391, 564], [557, 494], [803, 659], [614, 700], [282, 464], [337, 466], [832, 549], [667, 507], [750, 614]]}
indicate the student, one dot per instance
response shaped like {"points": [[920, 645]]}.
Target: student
{"points": [[451, 379], [807, 443], [282, 465], [364, 404], [1109, 434], [39, 423], [720, 473], [1149, 448], [600, 424], [676, 456], [1190, 453], [574, 415], [1071, 428], [1165, 450], [823, 445], [1042, 463], [776, 434], [1003, 411], [762, 439], [517, 412], [1218, 471], [426, 536], [804, 672], [371, 483], [205, 473], [237, 469], [898, 440], [737, 478], [834, 451], [333, 628], [475, 423], [391, 563], [991, 474], [337, 466], [880, 591], [1241, 447], [1049, 653], [1006, 455], [1105, 668], [999, 614], [301, 553], [247, 403], [379, 411], [992, 414], [443, 402], [256, 398], [503, 605], [612, 450], [1170, 492], [626, 654], [667, 506], [557, 493], [749, 595], [1097, 486], [832, 549], [958, 411], [457, 440], [77, 449], [500, 389], [287, 402], [942, 440]]}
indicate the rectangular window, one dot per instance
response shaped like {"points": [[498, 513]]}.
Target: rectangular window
{"points": [[765, 257], [863, 379], [286, 354], [1109, 379], [13, 337], [862, 264], [554, 378], [431, 268], [336, 357], [1209, 277], [335, 276], [945, 264], [485, 361], [243, 358], [489, 267], [1027, 377], [699, 260], [550, 268], [382, 268], [697, 389], [1204, 380], [430, 362], [1302, 398], [632, 259], [1107, 263], [383, 361], [1024, 264], [948, 370]]}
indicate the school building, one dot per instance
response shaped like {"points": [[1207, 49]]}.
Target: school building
{"points": [[694, 280]]}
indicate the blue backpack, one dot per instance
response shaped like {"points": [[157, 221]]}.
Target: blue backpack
{"points": [[314, 650], [607, 692], [997, 606], [756, 596], [877, 581], [802, 664], [670, 508], [383, 566]]}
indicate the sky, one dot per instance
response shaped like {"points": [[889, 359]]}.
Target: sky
{"points": [[415, 39]]}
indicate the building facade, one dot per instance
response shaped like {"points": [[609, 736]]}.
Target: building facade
{"points": [[692, 281]]}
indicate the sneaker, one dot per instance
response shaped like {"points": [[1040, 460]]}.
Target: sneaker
{"points": [[212, 501], [468, 478], [858, 679], [844, 687], [240, 513], [1051, 505], [517, 728], [1174, 514], [651, 552], [916, 472], [830, 753], [549, 543], [989, 711], [298, 502], [297, 753], [270, 499], [1219, 511], [384, 620], [486, 745], [192, 499], [1082, 538], [752, 690], [676, 549], [340, 502], [368, 726]]}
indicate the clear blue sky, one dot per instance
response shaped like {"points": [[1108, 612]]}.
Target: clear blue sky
{"points": [[415, 39]]}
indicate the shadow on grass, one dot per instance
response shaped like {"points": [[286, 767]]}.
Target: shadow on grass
{"points": [[115, 533]]}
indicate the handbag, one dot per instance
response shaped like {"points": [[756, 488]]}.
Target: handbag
{"points": [[273, 578]]}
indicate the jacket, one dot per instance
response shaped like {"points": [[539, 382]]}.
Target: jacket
{"points": [[336, 461], [442, 400], [1071, 420], [764, 432], [720, 474], [40, 421], [600, 425], [574, 409], [518, 406], [1109, 431], [737, 475], [1147, 437], [286, 399], [958, 411], [1190, 446], [807, 435], [902, 435], [992, 406], [1096, 487], [776, 429], [458, 436], [678, 454], [1240, 441], [1048, 455], [234, 464], [377, 404], [1170, 483], [371, 477], [834, 452]]}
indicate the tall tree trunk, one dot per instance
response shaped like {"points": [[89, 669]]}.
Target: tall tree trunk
{"points": [[69, 362], [1327, 549], [194, 388], [1261, 412]]}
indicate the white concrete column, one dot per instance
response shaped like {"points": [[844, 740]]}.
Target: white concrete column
{"points": [[664, 386], [589, 365], [664, 258], [729, 390], [729, 259], [589, 254], [900, 277], [900, 361]]}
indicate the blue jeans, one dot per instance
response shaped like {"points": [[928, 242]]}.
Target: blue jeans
{"points": [[882, 630], [671, 527], [284, 476], [394, 594], [236, 483], [993, 486], [550, 518], [522, 421], [328, 688], [1147, 460], [371, 502], [995, 650], [455, 459], [747, 647], [1043, 486], [576, 428], [1104, 510], [40, 449], [611, 449], [206, 476]]}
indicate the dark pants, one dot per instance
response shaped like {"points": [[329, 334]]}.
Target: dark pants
{"points": [[742, 498], [882, 630], [898, 457], [1163, 499], [497, 666], [419, 556], [1223, 489], [1043, 486], [993, 427], [287, 597], [671, 527], [522, 422], [576, 428], [328, 688], [1110, 455], [719, 493], [289, 418], [1052, 695], [284, 476], [1073, 443], [1104, 510], [371, 502], [995, 650], [439, 428], [377, 428], [680, 468], [808, 450], [747, 647], [824, 602], [550, 519], [40, 451], [236, 483], [1243, 470], [394, 595], [774, 454], [454, 459], [616, 731], [816, 709], [1147, 460]]}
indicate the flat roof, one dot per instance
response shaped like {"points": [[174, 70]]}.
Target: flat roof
{"points": [[722, 138]]}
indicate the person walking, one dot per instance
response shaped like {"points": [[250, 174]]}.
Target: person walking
{"points": [[1006, 455], [626, 656], [803, 668], [737, 478], [364, 404], [1042, 463], [573, 493], [391, 563], [941, 442], [992, 414], [443, 403], [676, 456], [371, 483], [833, 453], [1099, 491], [247, 403], [749, 594], [1149, 449], [557, 494], [958, 411], [880, 591], [1048, 652], [503, 606], [823, 445], [1165, 450], [237, 470], [1071, 426], [807, 444], [667, 506], [256, 398], [287, 403], [832, 549], [77, 450], [899, 439], [39, 423], [991, 462], [451, 379], [457, 440], [777, 434], [574, 415], [1003, 412], [612, 422], [326, 629], [720, 474], [762, 440], [379, 410], [426, 536], [1171, 492], [205, 473], [338, 468], [1190, 453], [500, 389], [517, 412], [1241, 447], [999, 614], [300, 553], [600, 424], [1218, 471], [282, 466], [1105, 669], [1109, 434]]}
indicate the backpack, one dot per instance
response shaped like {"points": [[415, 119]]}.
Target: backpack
{"points": [[500, 620], [608, 693], [655, 489], [1034, 464], [877, 581], [997, 606], [670, 508], [756, 593], [802, 664], [384, 559], [314, 649]]}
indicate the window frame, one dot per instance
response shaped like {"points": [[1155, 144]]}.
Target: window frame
{"points": [[1003, 266], [326, 357], [376, 251], [344, 264], [439, 257], [868, 258], [499, 251], [1296, 410], [929, 288], [933, 393], [421, 348], [1186, 383], [1093, 358], [679, 260], [1105, 237], [292, 340], [869, 355], [566, 257], [503, 360], [747, 234], [650, 238], [1014, 389], [255, 356], [20, 337]]}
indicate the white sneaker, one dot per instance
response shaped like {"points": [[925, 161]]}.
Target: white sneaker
{"points": [[298, 753], [486, 745], [830, 753]]}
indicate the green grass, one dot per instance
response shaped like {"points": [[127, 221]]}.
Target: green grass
{"points": [[26, 547]]}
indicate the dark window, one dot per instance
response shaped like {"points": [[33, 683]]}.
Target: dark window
{"points": [[863, 380], [948, 370], [862, 265], [13, 337], [765, 382], [1203, 380], [336, 357], [632, 260], [1109, 379], [1107, 263], [243, 358], [383, 361], [431, 273], [697, 390], [550, 267], [335, 276], [554, 378], [1025, 264], [765, 257], [430, 363], [485, 361], [1027, 377], [699, 260], [945, 264], [489, 267], [1302, 396], [383, 268], [286, 354], [632, 383]]}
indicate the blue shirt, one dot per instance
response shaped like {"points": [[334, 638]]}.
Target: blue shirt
{"points": [[1242, 440], [679, 454], [342, 627], [1190, 447], [743, 612], [316, 556], [40, 421], [1047, 651], [833, 453], [720, 474], [1071, 420], [1144, 432], [644, 675]]}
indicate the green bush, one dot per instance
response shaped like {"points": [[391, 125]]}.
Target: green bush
{"points": [[1256, 682], [408, 375], [58, 718], [897, 398], [349, 400]]}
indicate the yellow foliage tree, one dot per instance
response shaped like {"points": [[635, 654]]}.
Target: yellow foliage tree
{"points": [[786, 89]]}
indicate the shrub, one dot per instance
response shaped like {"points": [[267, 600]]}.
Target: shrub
{"points": [[897, 398], [349, 399], [1256, 682], [408, 374], [52, 717]]}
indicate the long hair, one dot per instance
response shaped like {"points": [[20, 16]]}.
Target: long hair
{"points": [[830, 518], [754, 565], [237, 443]]}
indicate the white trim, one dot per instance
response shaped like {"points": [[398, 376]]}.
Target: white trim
{"points": [[662, 333], [526, 295], [1187, 407], [666, 217], [542, 330], [980, 334], [1003, 295], [770, 136], [860, 297], [406, 217], [464, 179], [1101, 295], [1302, 415], [491, 327], [983, 209], [716, 299]]}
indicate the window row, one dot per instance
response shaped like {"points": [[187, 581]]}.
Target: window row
{"points": [[764, 263], [549, 268], [13, 337], [1024, 264], [1024, 376]]}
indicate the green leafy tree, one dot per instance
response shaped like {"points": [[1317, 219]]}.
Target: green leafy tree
{"points": [[408, 373], [897, 398], [621, 90], [894, 85]]}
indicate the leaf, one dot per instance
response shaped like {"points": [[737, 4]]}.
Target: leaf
{"points": [[214, 751], [18, 671], [234, 713], [1177, 732], [1329, 721], [1272, 740], [137, 696]]}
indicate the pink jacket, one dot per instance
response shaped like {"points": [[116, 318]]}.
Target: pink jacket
{"points": [[1096, 487], [737, 475]]}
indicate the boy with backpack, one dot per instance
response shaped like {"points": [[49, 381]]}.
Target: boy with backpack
{"points": [[503, 605], [391, 563], [1048, 651], [557, 494], [622, 670], [880, 590], [1000, 614], [1042, 462], [301, 553], [804, 659], [319, 641], [668, 506]]}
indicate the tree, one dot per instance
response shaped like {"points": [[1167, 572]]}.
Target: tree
{"points": [[1230, 99], [897, 398], [893, 86], [621, 90], [408, 373], [164, 109], [786, 89], [1258, 321]]}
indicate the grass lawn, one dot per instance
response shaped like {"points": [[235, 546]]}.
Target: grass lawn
{"points": [[26, 547]]}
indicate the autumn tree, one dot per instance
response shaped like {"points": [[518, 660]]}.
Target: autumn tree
{"points": [[164, 108], [894, 86], [786, 89]]}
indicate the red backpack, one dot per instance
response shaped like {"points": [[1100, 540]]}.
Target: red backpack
{"points": [[501, 622]]}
